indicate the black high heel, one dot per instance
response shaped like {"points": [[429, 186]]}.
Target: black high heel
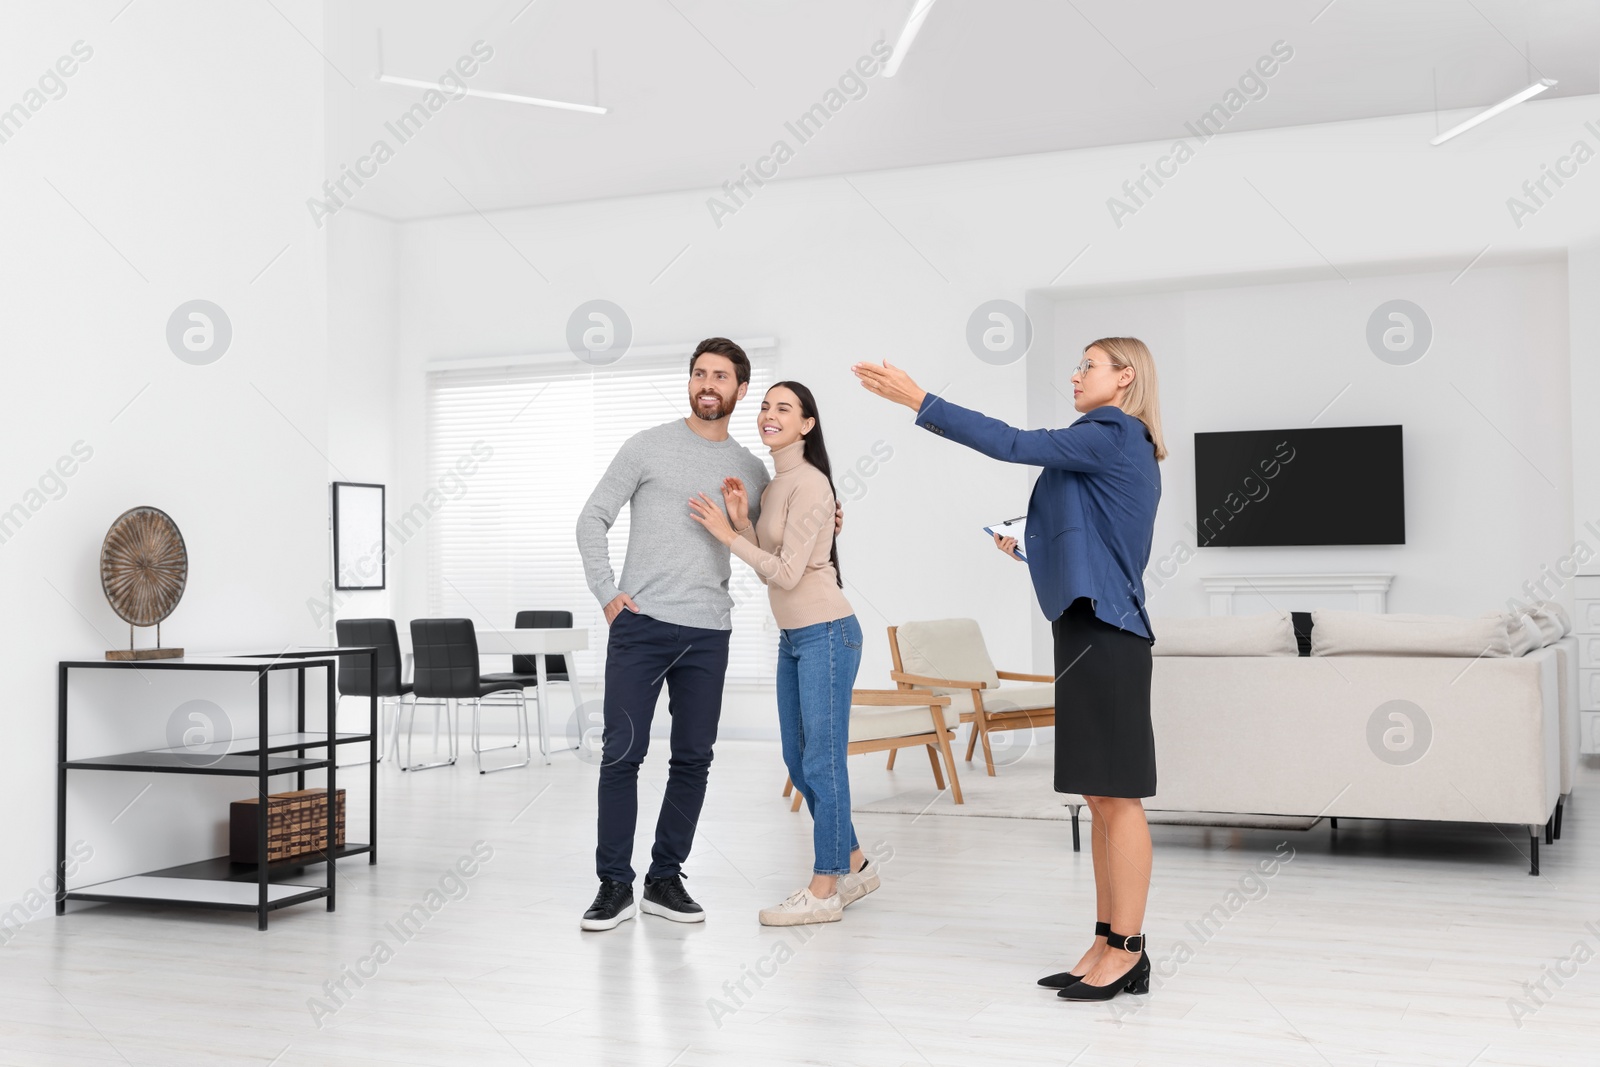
{"points": [[1066, 978], [1135, 980]]}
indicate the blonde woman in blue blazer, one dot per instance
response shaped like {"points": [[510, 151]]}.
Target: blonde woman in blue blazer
{"points": [[1090, 522]]}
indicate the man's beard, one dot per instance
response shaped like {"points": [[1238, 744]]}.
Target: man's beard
{"points": [[723, 409]]}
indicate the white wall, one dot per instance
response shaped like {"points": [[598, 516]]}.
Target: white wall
{"points": [[1485, 418], [363, 446], [180, 155], [893, 263], [1583, 301], [363, 320]]}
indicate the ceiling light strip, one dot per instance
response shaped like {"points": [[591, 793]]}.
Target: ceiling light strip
{"points": [[484, 94], [1509, 102], [919, 14]]}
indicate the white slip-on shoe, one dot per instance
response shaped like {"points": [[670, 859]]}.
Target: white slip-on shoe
{"points": [[802, 908], [857, 884]]}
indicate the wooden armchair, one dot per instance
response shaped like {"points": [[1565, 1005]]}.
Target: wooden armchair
{"points": [[948, 656], [900, 718]]}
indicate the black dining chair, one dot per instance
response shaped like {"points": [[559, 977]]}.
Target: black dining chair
{"points": [[378, 676], [555, 665], [444, 671]]}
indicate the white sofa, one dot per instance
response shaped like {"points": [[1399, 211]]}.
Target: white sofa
{"points": [[1276, 733], [1571, 726]]}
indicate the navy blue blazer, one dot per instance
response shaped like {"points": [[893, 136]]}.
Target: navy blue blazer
{"points": [[1093, 509]]}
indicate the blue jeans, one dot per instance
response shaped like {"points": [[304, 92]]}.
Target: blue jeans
{"points": [[816, 670]]}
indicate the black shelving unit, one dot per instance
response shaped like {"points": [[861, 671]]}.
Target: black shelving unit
{"points": [[219, 882], [283, 743]]}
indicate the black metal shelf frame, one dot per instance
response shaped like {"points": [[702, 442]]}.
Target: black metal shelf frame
{"points": [[247, 757]]}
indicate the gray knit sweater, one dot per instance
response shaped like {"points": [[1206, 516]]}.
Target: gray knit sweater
{"points": [[675, 570]]}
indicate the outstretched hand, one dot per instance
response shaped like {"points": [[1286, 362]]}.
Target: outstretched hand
{"points": [[891, 383]]}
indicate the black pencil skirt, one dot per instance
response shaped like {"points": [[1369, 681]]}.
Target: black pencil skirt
{"points": [[1104, 744]]}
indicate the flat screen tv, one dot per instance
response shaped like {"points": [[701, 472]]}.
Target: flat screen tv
{"points": [[1326, 486]]}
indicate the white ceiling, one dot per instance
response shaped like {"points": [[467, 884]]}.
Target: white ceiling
{"points": [[697, 88]]}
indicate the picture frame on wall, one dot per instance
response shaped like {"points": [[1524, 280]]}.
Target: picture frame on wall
{"points": [[360, 550]]}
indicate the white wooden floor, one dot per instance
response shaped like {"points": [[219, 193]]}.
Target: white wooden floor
{"points": [[1390, 943]]}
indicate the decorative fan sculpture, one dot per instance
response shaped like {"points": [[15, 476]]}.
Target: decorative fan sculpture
{"points": [[144, 567]]}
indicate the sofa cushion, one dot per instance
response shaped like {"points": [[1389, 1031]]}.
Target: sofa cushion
{"points": [[1268, 634], [946, 648], [871, 722], [1551, 618], [1361, 633], [1524, 633]]}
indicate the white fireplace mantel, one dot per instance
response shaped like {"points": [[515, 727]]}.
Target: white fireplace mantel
{"points": [[1370, 590]]}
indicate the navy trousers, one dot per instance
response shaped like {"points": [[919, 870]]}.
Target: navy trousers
{"points": [[641, 654]]}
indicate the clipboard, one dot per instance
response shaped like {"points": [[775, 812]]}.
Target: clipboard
{"points": [[1011, 528]]}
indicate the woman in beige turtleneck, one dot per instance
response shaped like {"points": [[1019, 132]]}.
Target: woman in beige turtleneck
{"points": [[792, 550]]}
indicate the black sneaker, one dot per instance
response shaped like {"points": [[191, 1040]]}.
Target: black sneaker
{"points": [[612, 906], [668, 899]]}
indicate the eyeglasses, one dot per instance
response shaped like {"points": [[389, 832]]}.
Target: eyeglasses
{"points": [[1086, 365]]}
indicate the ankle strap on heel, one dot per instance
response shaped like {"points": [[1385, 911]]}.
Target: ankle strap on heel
{"points": [[1102, 929], [1126, 942]]}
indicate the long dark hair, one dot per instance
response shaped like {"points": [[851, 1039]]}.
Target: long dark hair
{"points": [[815, 453]]}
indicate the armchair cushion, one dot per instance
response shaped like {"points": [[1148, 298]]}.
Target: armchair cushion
{"points": [[871, 723], [1007, 698], [946, 648]]}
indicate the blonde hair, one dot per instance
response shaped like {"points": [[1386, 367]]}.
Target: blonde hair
{"points": [[1142, 398]]}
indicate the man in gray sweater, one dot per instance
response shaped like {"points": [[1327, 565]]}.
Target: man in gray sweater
{"points": [[670, 619]]}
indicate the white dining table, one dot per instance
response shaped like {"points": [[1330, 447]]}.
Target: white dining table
{"points": [[535, 642]]}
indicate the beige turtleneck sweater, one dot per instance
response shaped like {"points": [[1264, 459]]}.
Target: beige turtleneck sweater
{"points": [[789, 545]]}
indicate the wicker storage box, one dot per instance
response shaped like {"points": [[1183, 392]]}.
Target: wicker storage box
{"points": [[297, 824]]}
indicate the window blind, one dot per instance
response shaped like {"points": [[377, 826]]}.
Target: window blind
{"points": [[514, 452]]}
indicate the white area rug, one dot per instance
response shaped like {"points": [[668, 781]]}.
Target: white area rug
{"points": [[1024, 790]]}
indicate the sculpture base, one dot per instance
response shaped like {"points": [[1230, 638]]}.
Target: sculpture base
{"points": [[145, 653]]}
